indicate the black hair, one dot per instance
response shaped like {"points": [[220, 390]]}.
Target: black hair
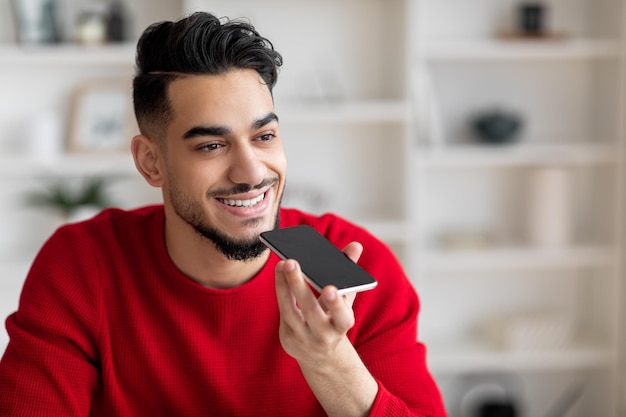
{"points": [[197, 44]]}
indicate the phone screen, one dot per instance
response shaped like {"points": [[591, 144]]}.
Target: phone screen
{"points": [[321, 262]]}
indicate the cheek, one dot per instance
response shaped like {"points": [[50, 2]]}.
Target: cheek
{"points": [[200, 179], [279, 163], [188, 178]]}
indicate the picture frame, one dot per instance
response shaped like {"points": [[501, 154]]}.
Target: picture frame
{"points": [[101, 117]]}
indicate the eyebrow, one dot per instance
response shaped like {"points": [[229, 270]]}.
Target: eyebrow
{"points": [[224, 131], [271, 117]]}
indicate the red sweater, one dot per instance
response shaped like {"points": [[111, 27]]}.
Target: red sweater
{"points": [[108, 326]]}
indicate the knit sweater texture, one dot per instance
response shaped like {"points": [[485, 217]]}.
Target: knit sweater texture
{"points": [[108, 326]]}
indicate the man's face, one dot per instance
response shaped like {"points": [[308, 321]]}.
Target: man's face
{"points": [[224, 159]]}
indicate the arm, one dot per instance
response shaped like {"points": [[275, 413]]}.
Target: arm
{"points": [[49, 365], [315, 333]]}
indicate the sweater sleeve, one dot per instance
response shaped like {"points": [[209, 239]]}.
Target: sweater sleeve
{"points": [[50, 366], [385, 337], [398, 362]]}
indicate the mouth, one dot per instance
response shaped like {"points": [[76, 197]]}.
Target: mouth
{"points": [[242, 203]]}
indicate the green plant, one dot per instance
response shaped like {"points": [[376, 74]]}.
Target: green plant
{"points": [[65, 198]]}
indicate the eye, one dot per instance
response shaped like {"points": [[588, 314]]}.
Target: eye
{"points": [[266, 137], [209, 147]]}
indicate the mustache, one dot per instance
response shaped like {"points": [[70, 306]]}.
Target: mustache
{"points": [[242, 188]]}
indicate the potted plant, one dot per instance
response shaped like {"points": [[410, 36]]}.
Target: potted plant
{"points": [[73, 202]]}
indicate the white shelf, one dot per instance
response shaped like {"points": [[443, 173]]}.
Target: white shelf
{"points": [[499, 49], [67, 54], [362, 111], [473, 358], [67, 165], [517, 155], [518, 258], [568, 92]]}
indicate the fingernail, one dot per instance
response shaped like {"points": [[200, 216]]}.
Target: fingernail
{"points": [[289, 265], [331, 296]]}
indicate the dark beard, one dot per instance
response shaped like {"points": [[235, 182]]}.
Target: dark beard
{"points": [[232, 249], [191, 213]]}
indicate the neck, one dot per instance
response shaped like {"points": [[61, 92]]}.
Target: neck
{"points": [[198, 258]]}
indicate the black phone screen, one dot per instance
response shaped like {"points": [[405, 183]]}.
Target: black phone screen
{"points": [[321, 262]]}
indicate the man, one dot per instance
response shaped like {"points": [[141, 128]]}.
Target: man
{"points": [[179, 309]]}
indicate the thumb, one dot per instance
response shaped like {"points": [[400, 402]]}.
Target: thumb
{"points": [[353, 250]]}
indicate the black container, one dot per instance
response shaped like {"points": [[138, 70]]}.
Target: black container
{"points": [[497, 409], [497, 127], [532, 18], [117, 23]]}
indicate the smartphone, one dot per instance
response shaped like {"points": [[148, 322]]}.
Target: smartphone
{"points": [[321, 262]]}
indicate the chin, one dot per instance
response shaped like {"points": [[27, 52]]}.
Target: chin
{"points": [[250, 229]]}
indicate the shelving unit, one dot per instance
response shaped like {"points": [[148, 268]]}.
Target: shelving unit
{"points": [[38, 83], [569, 92]]}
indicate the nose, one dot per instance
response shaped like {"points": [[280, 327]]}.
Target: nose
{"points": [[247, 167]]}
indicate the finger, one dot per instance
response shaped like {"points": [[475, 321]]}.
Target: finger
{"points": [[338, 310], [287, 306], [301, 297], [304, 296], [348, 299], [353, 250], [328, 312]]}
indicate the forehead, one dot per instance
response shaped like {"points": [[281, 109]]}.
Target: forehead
{"points": [[236, 90]]}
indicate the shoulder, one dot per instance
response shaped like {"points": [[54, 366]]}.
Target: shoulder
{"points": [[75, 254], [81, 244], [111, 220], [116, 217]]}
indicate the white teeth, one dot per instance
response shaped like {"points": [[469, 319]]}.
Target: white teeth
{"points": [[244, 203]]}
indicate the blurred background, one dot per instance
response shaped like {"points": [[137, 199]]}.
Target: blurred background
{"points": [[482, 139]]}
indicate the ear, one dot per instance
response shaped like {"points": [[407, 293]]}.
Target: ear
{"points": [[146, 156]]}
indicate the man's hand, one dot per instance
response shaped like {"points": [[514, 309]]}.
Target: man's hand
{"points": [[311, 328], [313, 331]]}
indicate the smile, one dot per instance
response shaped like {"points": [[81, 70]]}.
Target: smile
{"points": [[243, 203]]}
